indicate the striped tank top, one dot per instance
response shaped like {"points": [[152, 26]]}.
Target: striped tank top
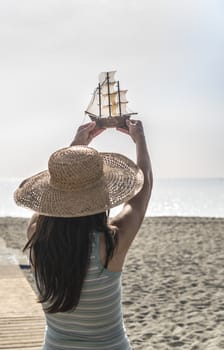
{"points": [[97, 321]]}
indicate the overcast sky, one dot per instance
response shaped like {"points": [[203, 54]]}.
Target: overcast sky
{"points": [[168, 53]]}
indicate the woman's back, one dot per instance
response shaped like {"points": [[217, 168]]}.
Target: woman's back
{"points": [[82, 301], [97, 321]]}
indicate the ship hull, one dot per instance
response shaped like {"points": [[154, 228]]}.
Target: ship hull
{"points": [[111, 122]]}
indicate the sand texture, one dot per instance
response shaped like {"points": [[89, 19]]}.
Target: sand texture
{"points": [[173, 282]]}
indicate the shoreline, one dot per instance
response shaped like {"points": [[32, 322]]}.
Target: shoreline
{"points": [[173, 282]]}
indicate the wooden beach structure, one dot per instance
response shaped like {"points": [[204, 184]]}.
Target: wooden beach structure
{"points": [[22, 320]]}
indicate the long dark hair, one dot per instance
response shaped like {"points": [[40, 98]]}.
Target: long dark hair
{"points": [[60, 252]]}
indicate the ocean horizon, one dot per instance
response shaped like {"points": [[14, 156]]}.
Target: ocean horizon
{"points": [[203, 197]]}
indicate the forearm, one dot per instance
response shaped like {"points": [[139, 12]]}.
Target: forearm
{"points": [[144, 162], [139, 203], [130, 218]]}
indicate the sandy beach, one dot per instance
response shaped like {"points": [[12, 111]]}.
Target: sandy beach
{"points": [[173, 282]]}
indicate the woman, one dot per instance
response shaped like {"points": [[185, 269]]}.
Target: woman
{"points": [[77, 253]]}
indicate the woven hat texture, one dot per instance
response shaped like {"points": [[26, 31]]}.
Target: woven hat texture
{"points": [[80, 181]]}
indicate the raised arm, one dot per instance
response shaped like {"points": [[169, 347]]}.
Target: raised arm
{"points": [[129, 220]]}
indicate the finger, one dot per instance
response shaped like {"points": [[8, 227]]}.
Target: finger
{"points": [[133, 122], [97, 132], [90, 125], [83, 126]]}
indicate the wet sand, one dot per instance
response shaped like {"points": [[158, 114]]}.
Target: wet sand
{"points": [[173, 282]]}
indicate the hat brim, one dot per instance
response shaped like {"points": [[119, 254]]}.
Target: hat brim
{"points": [[121, 181]]}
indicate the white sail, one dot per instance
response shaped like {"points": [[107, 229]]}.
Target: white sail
{"points": [[115, 110], [103, 77], [93, 106], [104, 88], [114, 97], [123, 108]]}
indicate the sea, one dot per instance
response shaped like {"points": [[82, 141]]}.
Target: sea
{"points": [[203, 197]]}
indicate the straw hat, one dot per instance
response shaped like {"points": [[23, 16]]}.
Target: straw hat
{"points": [[80, 181]]}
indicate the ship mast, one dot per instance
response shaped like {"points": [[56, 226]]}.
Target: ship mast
{"points": [[119, 96], [108, 89], [99, 91]]}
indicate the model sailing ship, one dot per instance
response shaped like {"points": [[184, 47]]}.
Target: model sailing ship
{"points": [[108, 106]]}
